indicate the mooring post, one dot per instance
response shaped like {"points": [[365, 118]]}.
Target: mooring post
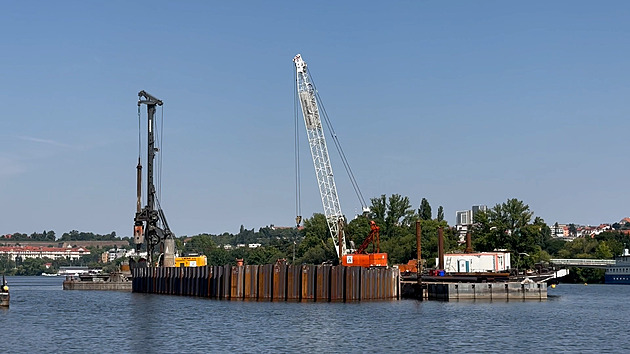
{"points": [[340, 240], [440, 248], [419, 248], [468, 243]]}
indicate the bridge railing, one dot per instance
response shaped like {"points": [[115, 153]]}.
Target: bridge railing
{"points": [[583, 262]]}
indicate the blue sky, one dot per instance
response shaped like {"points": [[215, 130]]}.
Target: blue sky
{"points": [[458, 102]]}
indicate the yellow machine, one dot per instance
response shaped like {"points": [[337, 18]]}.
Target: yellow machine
{"points": [[196, 261]]}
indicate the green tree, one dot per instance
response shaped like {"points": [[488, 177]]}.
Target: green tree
{"points": [[201, 244], [603, 251], [378, 209], [440, 213], [506, 226], [317, 236], [357, 230], [425, 210], [7, 266], [398, 215]]}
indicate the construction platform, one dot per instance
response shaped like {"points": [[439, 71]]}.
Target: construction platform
{"points": [[272, 282], [116, 281], [449, 291]]}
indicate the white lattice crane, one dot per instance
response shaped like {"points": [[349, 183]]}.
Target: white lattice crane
{"points": [[323, 170]]}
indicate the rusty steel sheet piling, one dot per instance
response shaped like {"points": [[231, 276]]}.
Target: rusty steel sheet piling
{"points": [[187, 281], [225, 282], [271, 282], [353, 284], [198, 280], [294, 282], [367, 284], [265, 282], [237, 291], [337, 277], [203, 285], [210, 270], [251, 282], [322, 289], [217, 275], [309, 281], [279, 282]]}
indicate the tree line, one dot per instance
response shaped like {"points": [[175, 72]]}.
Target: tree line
{"points": [[73, 235], [510, 226]]}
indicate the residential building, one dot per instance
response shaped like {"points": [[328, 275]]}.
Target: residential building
{"points": [[24, 252], [465, 218]]}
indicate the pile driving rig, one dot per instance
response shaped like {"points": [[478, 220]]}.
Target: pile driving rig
{"points": [[150, 224]]}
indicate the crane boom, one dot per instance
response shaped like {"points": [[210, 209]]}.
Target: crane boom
{"points": [[319, 152]]}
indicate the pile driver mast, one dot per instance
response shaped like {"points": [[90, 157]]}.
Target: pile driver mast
{"points": [[319, 152], [150, 224]]}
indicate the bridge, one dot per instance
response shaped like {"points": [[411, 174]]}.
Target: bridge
{"points": [[583, 262]]}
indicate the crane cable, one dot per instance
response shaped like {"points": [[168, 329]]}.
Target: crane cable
{"points": [[335, 139], [298, 187], [159, 140], [160, 153]]}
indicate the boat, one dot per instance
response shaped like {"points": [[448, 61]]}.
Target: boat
{"points": [[4, 293], [619, 273], [50, 274]]}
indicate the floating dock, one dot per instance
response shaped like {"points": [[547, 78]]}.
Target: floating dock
{"points": [[455, 291], [272, 282], [487, 291], [113, 282]]}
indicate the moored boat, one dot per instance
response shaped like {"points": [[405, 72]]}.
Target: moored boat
{"points": [[4, 293], [619, 273]]}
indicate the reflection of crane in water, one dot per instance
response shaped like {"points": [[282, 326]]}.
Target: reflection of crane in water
{"points": [[150, 224]]}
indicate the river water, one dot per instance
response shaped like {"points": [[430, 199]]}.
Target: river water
{"points": [[45, 318]]}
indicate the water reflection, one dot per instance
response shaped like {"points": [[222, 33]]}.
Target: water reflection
{"points": [[576, 318]]}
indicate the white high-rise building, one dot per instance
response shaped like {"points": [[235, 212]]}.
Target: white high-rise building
{"points": [[465, 218]]}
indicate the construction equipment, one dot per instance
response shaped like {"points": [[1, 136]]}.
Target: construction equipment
{"points": [[319, 152], [335, 219], [150, 224], [363, 259], [191, 261]]}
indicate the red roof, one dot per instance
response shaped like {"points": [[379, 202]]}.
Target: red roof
{"points": [[40, 249]]}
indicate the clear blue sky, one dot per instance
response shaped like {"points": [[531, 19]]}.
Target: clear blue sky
{"points": [[458, 102]]}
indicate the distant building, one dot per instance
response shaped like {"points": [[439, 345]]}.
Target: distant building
{"points": [[12, 252], [465, 218], [254, 245]]}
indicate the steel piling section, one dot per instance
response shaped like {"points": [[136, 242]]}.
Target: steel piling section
{"points": [[271, 282]]}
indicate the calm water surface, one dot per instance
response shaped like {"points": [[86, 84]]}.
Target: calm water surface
{"points": [[45, 318]]}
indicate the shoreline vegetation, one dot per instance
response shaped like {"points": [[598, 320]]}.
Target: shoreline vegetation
{"points": [[507, 226]]}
